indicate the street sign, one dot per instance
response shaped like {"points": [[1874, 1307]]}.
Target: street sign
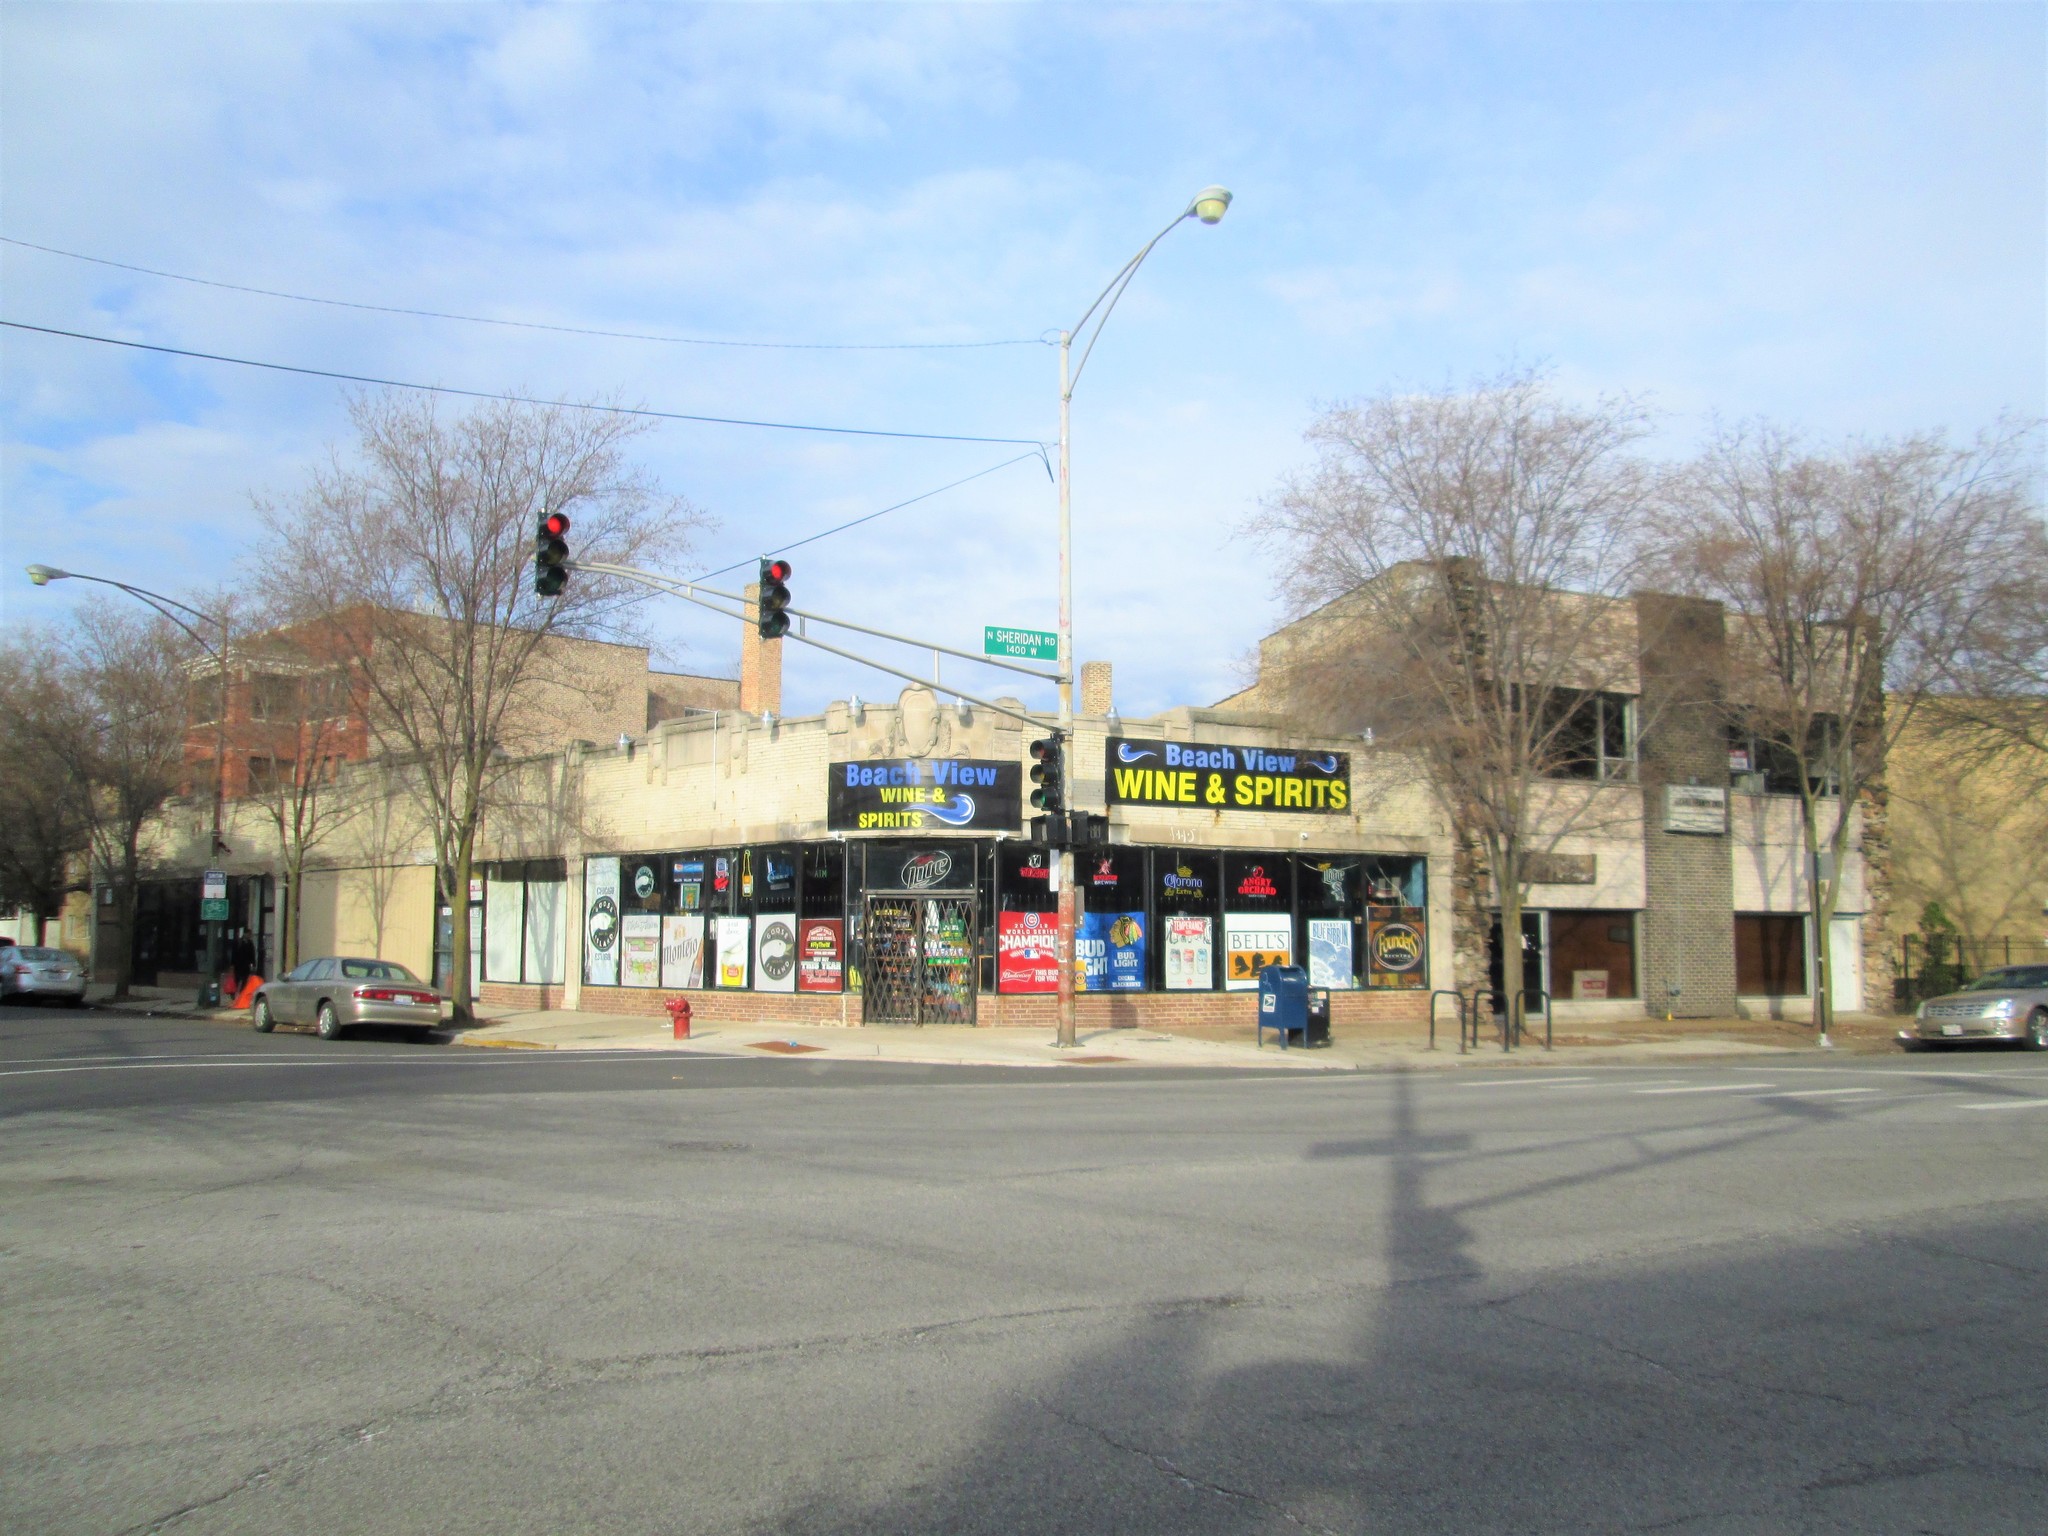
{"points": [[213, 897], [1026, 644]]}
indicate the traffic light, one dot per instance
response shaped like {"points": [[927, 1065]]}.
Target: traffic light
{"points": [[770, 621], [1048, 772], [551, 554]]}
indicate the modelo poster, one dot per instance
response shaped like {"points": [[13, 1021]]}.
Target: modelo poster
{"points": [[731, 936], [1027, 952], [924, 795], [1397, 948], [775, 953], [1251, 942], [682, 950], [821, 955], [1329, 952], [1109, 952], [601, 922], [1190, 953], [640, 949], [1142, 771]]}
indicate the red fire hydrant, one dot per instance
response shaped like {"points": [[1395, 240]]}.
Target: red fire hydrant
{"points": [[679, 1015]]}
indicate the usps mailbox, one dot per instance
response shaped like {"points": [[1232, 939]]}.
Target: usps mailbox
{"points": [[1283, 1003]]}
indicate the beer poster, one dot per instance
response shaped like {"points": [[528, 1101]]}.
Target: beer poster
{"points": [[682, 950], [640, 949], [1329, 953], [1190, 957], [1251, 942], [1109, 952], [775, 953], [1027, 952], [601, 922], [821, 955], [732, 936], [1397, 948]]}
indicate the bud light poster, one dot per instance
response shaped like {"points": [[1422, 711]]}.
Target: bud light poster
{"points": [[1109, 952], [1027, 952]]}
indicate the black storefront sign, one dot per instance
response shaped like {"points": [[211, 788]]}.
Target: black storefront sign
{"points": [[947, 794], [1204, 776]]}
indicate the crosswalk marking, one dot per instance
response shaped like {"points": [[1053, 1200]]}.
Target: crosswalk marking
{"points": [[1711, 1088]]}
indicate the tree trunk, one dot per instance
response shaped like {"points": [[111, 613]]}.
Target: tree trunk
{"points": [[458, 933]]}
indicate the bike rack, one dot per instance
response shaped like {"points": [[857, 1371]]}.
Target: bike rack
{"points": [[1457, 997]]}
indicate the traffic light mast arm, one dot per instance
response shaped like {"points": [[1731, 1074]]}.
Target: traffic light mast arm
{"points": [[688, 591], [690, 588]]}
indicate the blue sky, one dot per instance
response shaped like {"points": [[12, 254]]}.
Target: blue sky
{"points": [[1835, 215]]}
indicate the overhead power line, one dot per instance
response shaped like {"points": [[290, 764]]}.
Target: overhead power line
{"points": [[782, 549], [531, 325], [485, 394]]}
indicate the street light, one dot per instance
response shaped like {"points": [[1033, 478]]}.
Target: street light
{"points": [[1208, 205], [43, 575]]}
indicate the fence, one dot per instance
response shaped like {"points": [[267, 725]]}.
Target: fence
{"points": [[1930, 964]]}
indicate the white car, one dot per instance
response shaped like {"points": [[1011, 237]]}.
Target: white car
{"points": [[36, 970]]}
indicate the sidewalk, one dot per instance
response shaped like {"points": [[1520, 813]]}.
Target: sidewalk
{"points": [[1369, 1048]]}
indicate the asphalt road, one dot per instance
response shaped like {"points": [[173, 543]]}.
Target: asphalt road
{"points": [[270, 1284]]}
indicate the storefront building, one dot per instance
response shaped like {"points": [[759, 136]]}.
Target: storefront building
{"points": [[825, 869]]}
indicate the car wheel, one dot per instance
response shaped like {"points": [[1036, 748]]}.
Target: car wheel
{"points": [[260, 1018], [330, 1022], [2037, 1030]]}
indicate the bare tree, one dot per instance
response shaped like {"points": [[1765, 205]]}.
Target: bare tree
{"points": [[302, 708], [418, 559], [1994, 705], [115, 720], [1468, 549], [45, 833], [1854, 578]]}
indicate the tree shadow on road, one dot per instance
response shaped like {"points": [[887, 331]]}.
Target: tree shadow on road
{"points": [[1746, 1387]]}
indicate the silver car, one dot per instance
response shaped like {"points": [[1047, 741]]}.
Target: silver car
{"points": [[336, 992], [2010, 1003], [36, 970]]}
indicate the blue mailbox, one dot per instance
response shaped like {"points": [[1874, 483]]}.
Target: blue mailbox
{"points": [[1283, 1002]]}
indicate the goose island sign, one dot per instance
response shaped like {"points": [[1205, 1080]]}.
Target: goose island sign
{"points": [[1203, 776]]}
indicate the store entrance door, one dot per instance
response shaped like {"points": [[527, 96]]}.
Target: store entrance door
{"points": [[918, 962]]}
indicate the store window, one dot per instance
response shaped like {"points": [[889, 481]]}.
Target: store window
{"points": [[821, 918], [1592, 955], [1258, 916], [1185, 889], [1113, 940], [1329, 910], [1770, 954]]}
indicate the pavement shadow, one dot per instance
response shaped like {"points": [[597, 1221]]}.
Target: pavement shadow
{"points": [[1728, 1391]]}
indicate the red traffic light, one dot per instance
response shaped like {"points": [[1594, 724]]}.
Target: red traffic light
{"points": [[555, 524], [776, 570]]}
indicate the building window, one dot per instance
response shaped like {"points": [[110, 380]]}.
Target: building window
{"points": [[273, 696], [1764, 763], [1592, 954], [1770, 954], [1589, 736]]}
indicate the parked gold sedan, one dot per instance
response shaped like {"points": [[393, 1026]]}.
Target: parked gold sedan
{"points": [[335, 993]]}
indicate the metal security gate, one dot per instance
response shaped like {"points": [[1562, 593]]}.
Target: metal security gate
{"points": [[918, 960]]}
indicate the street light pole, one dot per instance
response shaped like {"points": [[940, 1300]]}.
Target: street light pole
{"points": [[43, 575], [1209, 206]]}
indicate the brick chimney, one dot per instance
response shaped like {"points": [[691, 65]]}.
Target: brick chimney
{"points": [[1095, 692], [760, 663]]}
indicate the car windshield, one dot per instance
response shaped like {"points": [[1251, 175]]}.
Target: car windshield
{"points": [[376, 970], [2011, 979]]}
